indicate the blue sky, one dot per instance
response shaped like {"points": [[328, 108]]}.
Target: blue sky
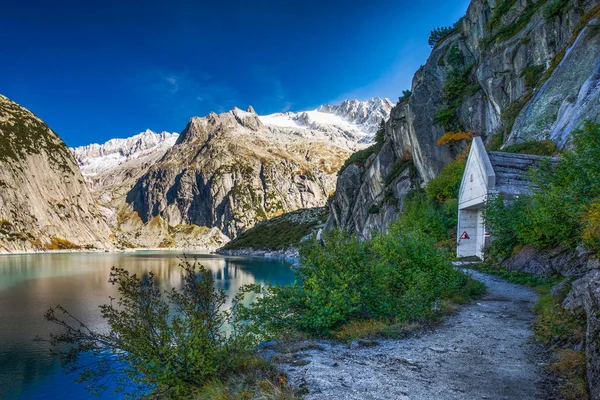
{"points": [[94, 70]]}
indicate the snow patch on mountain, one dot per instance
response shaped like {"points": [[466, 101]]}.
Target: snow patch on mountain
{"points": [[95, 158], [351, 125], [353, 119]]}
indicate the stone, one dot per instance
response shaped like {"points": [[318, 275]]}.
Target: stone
{"points": [[585, 297]]}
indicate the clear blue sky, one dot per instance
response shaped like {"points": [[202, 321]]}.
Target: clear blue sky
{"points": [[94, 70]]}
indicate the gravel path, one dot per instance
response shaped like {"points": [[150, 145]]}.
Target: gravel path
{"points": [[484, 351]]}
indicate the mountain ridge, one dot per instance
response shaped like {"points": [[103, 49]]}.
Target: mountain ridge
{"points": [[44, 202], [355, 119]]}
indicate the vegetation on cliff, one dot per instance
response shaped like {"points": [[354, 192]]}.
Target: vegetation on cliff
{"points": [[563, 212], [281, 232]]}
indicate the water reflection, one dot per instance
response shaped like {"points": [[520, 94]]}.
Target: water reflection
{"points": [[31, 283]]}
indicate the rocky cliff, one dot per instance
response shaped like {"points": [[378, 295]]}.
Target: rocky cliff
{"points": [[44, 202], [229, 171], [251, 168], [510, 70]]}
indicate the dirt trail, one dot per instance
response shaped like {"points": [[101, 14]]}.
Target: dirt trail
{"points": [[482, 352]]}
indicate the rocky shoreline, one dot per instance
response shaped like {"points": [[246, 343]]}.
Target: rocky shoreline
{"points": [[291, 254], [3, 252]]}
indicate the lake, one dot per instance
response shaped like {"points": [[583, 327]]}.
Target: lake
{"points": [[29, 284]]}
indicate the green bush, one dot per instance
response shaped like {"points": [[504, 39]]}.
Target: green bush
{"points": [[398, 168], [421, 214], [455, 57], [447, 184], [159, 344], [396, 277], [508, 31], [542, 148], [501, 9], [557, 212], [360, 157], [458, 85], [532, 75]]}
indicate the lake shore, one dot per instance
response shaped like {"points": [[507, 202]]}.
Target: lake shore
{"points": [[113, 250], [292, 254]]}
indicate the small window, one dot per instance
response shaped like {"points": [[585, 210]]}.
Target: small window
{"points": [[471, 177]]}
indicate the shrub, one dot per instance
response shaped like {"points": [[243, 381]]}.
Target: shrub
{"points": [[420, 214], [501, 8], [446, 117], [532, 75], [360, 157], [555, 325], [163, 346], [591, 230], [458, 85], [374, 209], [447, 184], [398, 168], [556, 213], [57, 243], [396, 277], [571, 366], [505, 220], [508, 31], [542, 148], [455, 57]]}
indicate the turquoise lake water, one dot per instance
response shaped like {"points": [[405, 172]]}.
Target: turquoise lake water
{"points": [[29, 284]]}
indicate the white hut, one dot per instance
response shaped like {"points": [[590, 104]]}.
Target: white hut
{"points": [[486, 174]]}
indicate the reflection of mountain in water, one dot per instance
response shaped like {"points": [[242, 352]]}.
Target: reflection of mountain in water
{"points": [[29, 284]]}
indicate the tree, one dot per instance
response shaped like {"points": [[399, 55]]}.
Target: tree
{"points": [[380, 135], [158, 343], [438, 34], [405, 96]]}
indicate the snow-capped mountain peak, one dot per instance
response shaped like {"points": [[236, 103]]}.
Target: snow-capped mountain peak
{"points": [[351, 125], [97, 158], [353, 119]]}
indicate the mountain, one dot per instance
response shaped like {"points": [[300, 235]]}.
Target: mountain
{"points": [[119, 162], [345, 124], [509, 71], [230, 171], [95, 159], [44, 202], [304, 150]]}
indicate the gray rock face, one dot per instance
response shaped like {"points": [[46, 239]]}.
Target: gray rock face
{"points": [[565, 262], [528, 77], [230, 171], [43, 197], [585, 295]]}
